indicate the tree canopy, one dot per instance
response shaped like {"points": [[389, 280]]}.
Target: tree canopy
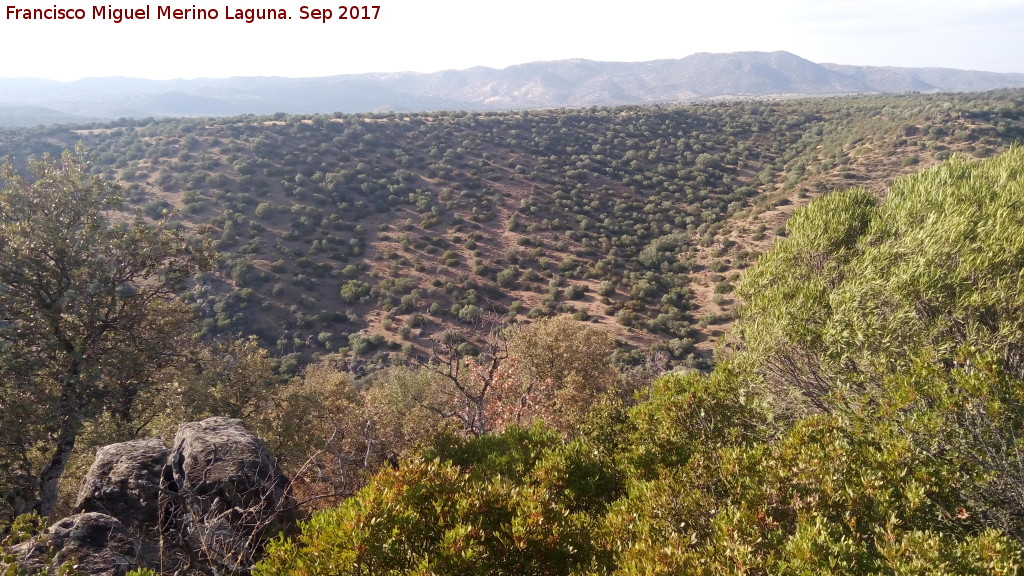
{"points": [[88, 314]]}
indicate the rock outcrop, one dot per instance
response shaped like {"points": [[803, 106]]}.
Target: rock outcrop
{"points": [[95, 544], [212, 500], [229, 493], [124, 482]]}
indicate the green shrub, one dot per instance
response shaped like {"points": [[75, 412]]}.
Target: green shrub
{"points": [[354, 290]]}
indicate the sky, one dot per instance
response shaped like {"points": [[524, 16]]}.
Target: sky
{"points": [[432, 35]]}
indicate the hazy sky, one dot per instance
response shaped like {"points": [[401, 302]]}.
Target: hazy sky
{"points": [[425, 36]]}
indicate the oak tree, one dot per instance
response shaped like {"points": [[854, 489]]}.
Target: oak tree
{"points": [[88, 314]]}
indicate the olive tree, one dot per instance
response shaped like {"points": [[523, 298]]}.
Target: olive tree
{"points": [[88, 314]]}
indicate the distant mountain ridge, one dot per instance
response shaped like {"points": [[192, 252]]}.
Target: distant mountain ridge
{"points": [[555, 84]]}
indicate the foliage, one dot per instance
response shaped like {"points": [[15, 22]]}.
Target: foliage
{"points": [[436, 517], [88, 314], [230, 377], [23, 529], [331, 432], [558, 368], [829, 495], [910, 311], [787, 313], [857, 291], [353, 290], [318, 430], [906, 460]]}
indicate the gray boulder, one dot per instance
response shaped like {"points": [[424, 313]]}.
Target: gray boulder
{"points": [[124, 482], [208, 505], [95, 544], [229, 494]]}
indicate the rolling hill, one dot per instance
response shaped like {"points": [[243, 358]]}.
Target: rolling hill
{"points": [[373, 234]]}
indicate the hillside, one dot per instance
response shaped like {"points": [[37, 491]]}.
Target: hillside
{"points": [[871, 424], [373, 234], [870, 420], [565, 83]]}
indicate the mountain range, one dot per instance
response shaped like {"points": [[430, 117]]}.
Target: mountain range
{"points": [[555, 84]]}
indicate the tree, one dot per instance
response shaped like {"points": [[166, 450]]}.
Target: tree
{"points": [[561, 367], [88, 313], [468, 384], [859, 291], [331, 433], [353, 290]]}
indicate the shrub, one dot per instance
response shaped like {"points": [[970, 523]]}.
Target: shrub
{"points": [[354, 290]]}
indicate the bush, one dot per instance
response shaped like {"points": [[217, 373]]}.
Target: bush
{"points": [[354, 290], [460, 520]]}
